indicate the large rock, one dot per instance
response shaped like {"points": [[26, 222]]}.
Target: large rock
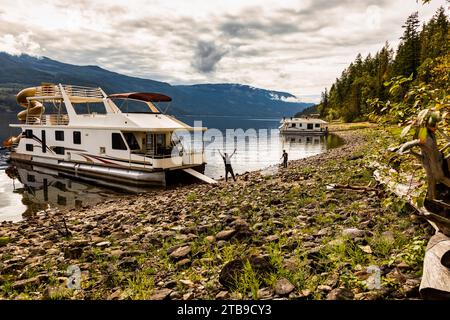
{"points": [[283, 287], [181, 253], [340, 294]]}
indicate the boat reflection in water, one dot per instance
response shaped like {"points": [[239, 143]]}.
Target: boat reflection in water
{"points": [[42, 188], [297, 140]]}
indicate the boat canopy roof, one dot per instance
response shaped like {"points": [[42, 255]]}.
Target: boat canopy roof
{"points": [[142, 96]]}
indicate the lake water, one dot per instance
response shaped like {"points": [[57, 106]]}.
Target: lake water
{"points": [[25, 189]]}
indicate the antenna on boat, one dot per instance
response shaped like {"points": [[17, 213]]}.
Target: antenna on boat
{"points": [[167, 108]]}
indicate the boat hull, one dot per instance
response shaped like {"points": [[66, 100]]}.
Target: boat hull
{"points": [[129, 176], [304, 132]]}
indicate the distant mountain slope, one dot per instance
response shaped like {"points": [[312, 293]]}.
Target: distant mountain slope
{"points": [[21, 71]]}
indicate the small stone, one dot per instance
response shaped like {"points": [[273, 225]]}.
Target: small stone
{"points": [[322, 232], [161, 294], [117, 253], [366, 249], [188, 296], [353, 233], [183, 262], [265, 293], [225, 234], [283, 287], [118, 235], [115, 295], [305, 293], [388, 235], [222, 295], [340, 294], [324, 288], [273, 238], [187, 283], [180, 253], [403, 265], [210, 239], [175, 295], [103, 244], [221, 243], [291, 264], [73, 253], [130, 264]]}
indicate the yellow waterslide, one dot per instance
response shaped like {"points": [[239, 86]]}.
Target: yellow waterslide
{"points": [[33, 108]]}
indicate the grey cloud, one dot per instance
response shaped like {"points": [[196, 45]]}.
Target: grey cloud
{"points": [[168, 47], [207, 55]]}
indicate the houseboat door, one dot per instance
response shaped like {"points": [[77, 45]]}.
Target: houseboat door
{"points": [[156, 145]]}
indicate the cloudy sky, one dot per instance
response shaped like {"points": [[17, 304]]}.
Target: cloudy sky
{"points": [[299, 46]]}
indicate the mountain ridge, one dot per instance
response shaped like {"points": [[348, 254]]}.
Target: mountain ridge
{"points": [[17, 72]]}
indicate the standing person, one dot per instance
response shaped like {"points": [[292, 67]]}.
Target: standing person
{"points": [[227, 161], [285, 158]]}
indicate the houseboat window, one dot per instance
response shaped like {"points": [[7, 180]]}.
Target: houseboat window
{"points": [[59, 150], [293, 125], [29, 133], [317, 125], [60, 186], [117, 142], [59, 135], [90, 108], [76, 137], [310, 126], [300, 125], [29, 147], [62, 201], [160, 143], [131, 141]]}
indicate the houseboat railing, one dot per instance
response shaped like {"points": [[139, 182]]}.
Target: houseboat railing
{"points": [[71, 91], [48, 119]]}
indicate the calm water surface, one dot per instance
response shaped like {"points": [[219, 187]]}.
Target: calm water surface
{"points": [[26, 189]]}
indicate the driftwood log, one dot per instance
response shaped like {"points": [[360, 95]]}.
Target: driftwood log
{"points": [[436, 276], [435, 282]]}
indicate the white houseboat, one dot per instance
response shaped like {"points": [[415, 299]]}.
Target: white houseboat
{"points": [[61, 130], [310, 126]]}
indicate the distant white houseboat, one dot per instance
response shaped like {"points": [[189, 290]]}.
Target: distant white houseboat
{"points": [[139, 148], [311, 126]]}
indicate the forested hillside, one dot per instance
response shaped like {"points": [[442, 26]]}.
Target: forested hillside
{"points": [[363, 91]]}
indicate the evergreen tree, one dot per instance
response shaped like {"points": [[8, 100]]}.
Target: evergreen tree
{"points": [[408, 54]]}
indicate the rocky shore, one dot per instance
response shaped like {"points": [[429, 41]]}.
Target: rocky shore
{"points": [[320, 229]]}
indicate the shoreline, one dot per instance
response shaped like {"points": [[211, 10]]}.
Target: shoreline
{"points": [[178, 243]]}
